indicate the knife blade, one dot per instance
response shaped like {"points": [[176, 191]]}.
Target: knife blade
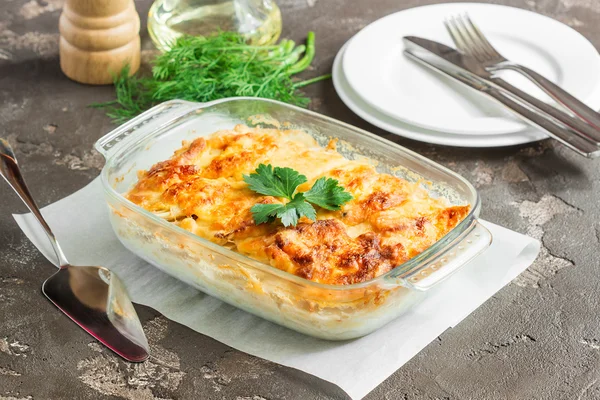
{"points": [[470, 64], [451, 63]]}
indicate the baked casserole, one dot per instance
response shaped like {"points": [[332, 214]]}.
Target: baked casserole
{"points": [[389, 220], [191, 215]]}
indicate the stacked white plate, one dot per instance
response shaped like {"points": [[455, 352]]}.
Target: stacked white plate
{"points": [[381, 85]]}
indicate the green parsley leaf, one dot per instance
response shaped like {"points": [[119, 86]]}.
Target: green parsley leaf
{"points": [[296, 209], [283, 182], [327, 193], [264, 181], [265, 212], [290, 180], [304, 208], [288, 216], [277, 182]]}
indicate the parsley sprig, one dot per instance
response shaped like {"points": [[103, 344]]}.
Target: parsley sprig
{"points": [[283, 182]]}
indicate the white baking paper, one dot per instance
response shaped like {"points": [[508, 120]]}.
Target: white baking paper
{"points": [[80, 222]]}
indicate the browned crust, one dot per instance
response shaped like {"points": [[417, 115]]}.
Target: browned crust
{"points": [[388, 221]]}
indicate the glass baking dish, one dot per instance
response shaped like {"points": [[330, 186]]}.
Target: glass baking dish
{"points": [[334, 312]]}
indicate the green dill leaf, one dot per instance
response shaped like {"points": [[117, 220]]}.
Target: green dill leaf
{"points": [[206, 68], [265, 212], [264, 181], [290, 179], [327, 193]]}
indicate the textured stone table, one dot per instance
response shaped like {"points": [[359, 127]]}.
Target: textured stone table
{"points": [[539, 338]]}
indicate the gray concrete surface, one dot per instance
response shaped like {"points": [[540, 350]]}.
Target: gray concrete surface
{"points": [[539, 338]]}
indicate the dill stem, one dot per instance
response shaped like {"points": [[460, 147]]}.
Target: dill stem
{"points": [[214, 67], [243, 47], [308, 56], [311, 81]]}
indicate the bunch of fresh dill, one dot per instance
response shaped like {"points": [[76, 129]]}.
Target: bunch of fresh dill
{"points": [[201, 69]]}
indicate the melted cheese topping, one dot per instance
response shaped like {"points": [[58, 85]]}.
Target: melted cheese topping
{"points": [[201, 189]]}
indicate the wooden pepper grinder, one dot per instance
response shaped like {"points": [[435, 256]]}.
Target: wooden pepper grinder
{"points": [[98, 38]]}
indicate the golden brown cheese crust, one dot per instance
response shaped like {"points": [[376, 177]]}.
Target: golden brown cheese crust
{"points": [[389, 220]]}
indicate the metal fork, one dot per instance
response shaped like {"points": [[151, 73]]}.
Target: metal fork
{"points": [[469, 39]]}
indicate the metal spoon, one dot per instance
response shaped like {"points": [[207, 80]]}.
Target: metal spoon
{"points": [[93, 297]]}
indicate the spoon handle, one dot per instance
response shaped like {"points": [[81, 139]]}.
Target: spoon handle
{"points": [[9, 169]]}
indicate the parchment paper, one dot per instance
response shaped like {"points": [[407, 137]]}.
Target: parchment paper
{"points": [[80, 221]]}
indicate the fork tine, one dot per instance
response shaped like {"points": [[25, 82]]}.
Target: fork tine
{"points": [[475, 41], [455, 35], [458, 36], [481, 37], [472, 49]]}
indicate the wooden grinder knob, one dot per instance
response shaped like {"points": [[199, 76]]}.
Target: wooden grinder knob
{"points": [[98, 38]]}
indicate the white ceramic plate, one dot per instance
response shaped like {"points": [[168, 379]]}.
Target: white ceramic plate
{"points": [[387, 123], [379, 72]]}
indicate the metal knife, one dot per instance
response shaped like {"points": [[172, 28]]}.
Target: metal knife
{"points": [[468, 71], [471, 64]]}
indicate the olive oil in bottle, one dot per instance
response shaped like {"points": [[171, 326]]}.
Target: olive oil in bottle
{"points": [[258, 20]]}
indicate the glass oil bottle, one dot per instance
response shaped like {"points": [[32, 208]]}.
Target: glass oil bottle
{"points": [[258, 20]]}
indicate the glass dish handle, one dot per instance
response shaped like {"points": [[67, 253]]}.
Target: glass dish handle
{"points": [[463, 249], [151, 120]]}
